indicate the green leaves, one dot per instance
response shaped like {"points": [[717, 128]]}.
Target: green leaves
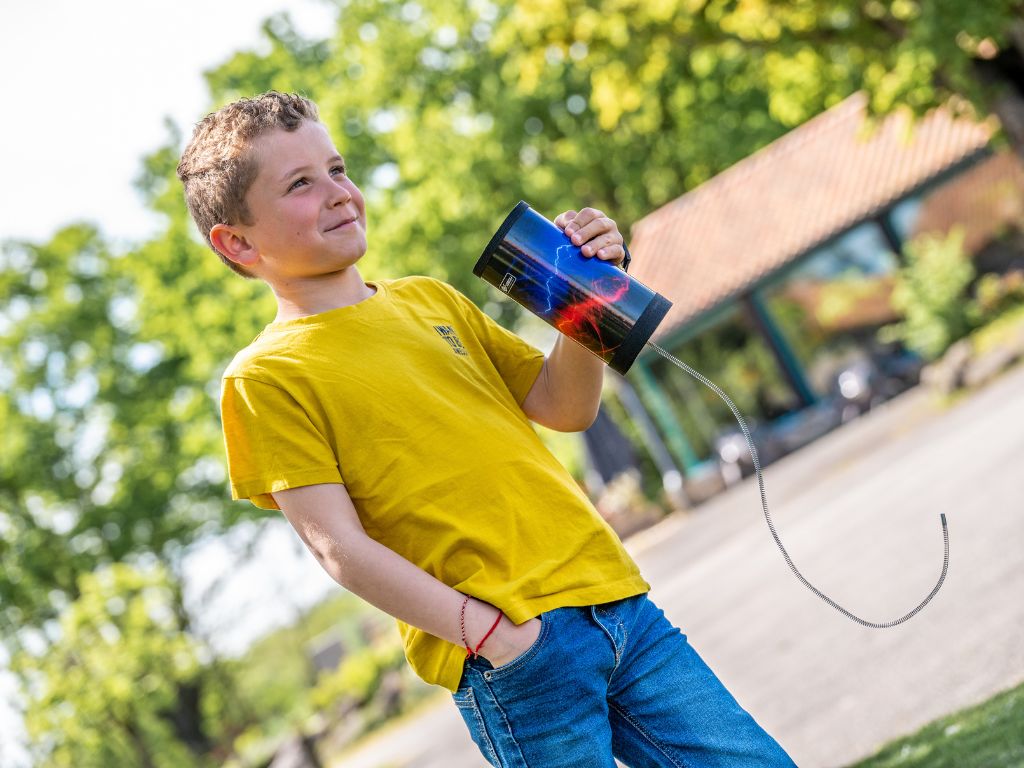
{"points": [[112, 443], [102, 693], [930, 293]]}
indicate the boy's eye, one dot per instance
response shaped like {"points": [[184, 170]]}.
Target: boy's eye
{"points": [[339, 168], [296, 183]]}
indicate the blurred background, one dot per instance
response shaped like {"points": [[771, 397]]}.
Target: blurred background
{"points": [[832, 195]]}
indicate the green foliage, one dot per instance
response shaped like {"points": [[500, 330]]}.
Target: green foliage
{"points": [[275, 675], [111, 437], [277, 681], [930, 294], [1003, 332], [996, 295], [841, 297], [104, 690], [449, 112], [358, 677], [112, 447]]}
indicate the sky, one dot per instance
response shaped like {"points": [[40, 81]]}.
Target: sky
{"points": [[89, 87]]}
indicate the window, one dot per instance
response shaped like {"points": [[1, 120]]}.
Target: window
{"points": [[904, 217], [831, 304]]}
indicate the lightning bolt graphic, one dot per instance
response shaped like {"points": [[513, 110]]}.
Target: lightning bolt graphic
{"points": [[547, 285]]}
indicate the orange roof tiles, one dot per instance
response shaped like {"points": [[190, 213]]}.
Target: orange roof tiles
{"points": [[811, 184]]}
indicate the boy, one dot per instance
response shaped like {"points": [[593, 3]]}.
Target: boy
{"points": [[389, 421]]}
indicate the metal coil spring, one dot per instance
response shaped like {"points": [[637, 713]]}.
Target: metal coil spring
{"points": [[771, 526]]}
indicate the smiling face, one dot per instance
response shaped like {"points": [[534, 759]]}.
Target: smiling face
{"points": [[308, 218]]}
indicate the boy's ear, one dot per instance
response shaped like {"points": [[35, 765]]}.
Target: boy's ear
{"points": [[233, 246]]}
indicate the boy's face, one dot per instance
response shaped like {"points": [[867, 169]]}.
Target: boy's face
{"points": [[309, 219]]}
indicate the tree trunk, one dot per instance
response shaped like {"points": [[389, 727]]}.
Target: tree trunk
{"points": [[187, 719]]}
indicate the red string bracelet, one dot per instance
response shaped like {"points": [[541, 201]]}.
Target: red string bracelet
{"points": [[475, 652], [494, 626]]}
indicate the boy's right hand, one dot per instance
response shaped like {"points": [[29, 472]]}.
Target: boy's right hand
{"points": [[509, 641]]}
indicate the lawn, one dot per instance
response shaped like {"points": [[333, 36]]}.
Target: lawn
{"points": [[990, 735]]}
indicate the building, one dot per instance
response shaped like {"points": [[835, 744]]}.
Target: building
{"points": [[781, 270]]}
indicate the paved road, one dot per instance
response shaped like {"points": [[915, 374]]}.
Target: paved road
{"points": [[859, 513]]}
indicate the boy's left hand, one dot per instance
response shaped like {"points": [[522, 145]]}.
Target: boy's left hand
{"points": [[595, 233]]}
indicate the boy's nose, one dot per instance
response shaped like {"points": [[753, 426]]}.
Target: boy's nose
{"points": [[338, 194]]}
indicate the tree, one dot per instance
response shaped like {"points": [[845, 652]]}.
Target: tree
{"points": [[931, 294], [106, 691], [108, 399], [111, 442], [451, 111]]}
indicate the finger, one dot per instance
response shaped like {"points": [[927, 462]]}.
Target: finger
{"points": [[594, 229], [582, 219], [564, 218], [606, 246], [612, 253]]}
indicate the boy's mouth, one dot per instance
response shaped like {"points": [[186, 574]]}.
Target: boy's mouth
{"points": [[341, 224]]}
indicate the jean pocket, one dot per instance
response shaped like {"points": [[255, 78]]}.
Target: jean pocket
{"points": [[523, 659]]}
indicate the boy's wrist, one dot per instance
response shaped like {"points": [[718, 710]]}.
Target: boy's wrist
{"points": [[508, 640], [479, 618]]}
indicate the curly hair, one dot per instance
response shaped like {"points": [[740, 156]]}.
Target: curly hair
{"points": [[217, 167]]}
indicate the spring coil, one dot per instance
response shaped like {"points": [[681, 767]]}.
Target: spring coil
{"points": [[771, 526]]}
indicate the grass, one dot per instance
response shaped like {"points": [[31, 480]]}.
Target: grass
{"points": [[989, 735]]}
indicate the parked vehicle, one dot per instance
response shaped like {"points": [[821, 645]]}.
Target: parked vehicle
{"points": [[858, 386], [868, 381], [772, 440]]}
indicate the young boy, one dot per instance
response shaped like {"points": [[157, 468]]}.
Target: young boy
{"points": [[389, 421]]}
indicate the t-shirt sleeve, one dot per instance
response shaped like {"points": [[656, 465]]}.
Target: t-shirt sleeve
{"points": [[271, 443], [518, 362]]}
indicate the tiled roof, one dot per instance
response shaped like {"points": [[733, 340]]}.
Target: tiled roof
{"points": [[811, 184]]}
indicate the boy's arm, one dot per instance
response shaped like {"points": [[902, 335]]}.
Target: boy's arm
{"points": [[567, 392], [326, 521], [566, 395]]}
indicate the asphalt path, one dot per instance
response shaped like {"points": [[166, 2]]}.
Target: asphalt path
{"points": [[858, 511]]}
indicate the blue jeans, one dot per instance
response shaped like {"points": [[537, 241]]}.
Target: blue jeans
{"points": [[609, 681]]}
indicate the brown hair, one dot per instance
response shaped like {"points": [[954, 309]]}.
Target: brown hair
{"points": [[217, 168]]}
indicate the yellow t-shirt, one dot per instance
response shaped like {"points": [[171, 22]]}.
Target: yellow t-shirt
{"points": [[411, 398]]}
